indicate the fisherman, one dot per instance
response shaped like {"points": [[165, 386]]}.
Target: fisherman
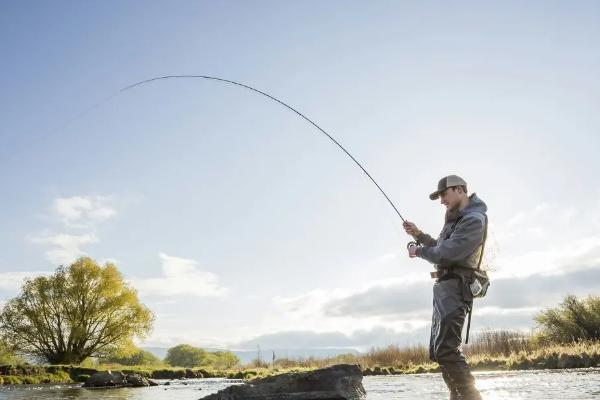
{"points": [[456, 254]]}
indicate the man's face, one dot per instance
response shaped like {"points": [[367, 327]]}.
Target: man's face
{"points": [[450, 198]]}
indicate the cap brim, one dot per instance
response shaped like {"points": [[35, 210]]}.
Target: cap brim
{"points": [[434, 196]]}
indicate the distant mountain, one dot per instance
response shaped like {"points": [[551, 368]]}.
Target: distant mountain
{"points": [[247, 356]]}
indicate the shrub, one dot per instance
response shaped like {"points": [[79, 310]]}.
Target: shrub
{"points": [[573, 320], [188, 356]]}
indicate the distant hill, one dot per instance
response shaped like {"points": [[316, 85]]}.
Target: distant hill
{"points": [[247, 356]]}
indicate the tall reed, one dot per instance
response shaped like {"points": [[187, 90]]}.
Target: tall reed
{"points": [[486, 343], [499, 342]]}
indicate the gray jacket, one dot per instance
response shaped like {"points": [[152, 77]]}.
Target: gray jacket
{"points": [[461, 241]]}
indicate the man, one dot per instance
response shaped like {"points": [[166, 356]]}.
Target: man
{"points": [[456, 254]]}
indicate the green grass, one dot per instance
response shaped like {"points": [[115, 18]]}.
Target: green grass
{"points": [[58, 377]]}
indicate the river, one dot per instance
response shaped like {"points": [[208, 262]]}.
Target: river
{"points": [[580, 384]]}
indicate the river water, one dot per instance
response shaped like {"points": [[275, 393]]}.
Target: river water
{"points": [[580, 384]]}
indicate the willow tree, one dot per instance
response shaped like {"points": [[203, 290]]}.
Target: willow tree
{"points": [[80, 311]]}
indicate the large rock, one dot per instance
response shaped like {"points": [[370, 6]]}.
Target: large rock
{"points": [[117, 379], [339, 382], [108, 378]]}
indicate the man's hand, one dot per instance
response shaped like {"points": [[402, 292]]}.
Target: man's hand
{"points": [[411, 229], [412, 251]]}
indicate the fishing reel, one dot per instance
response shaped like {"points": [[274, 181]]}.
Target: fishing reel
{"points": [[412, 244]]}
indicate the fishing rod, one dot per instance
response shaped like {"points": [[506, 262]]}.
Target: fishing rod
{"points": [[227, 81]]}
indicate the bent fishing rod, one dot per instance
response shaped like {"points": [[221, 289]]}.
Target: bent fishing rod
{"points": [[227, 81]]}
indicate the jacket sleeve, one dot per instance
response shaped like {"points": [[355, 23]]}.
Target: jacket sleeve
{"points": [[467, 235], [426, 240]]}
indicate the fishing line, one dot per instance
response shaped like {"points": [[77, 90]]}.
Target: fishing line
{"points": [[36, 139], [213, 78]]}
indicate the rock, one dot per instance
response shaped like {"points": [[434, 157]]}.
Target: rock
{"points": [[136, 380], [339, 382], [117, 379], [103, 379]]}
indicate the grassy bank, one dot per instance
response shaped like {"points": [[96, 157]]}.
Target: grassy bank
{"points": [[512, 355], [34, 374], [581, 355]]}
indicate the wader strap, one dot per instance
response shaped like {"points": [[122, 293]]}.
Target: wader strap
{"points": [[483, 243], [469, 324]]}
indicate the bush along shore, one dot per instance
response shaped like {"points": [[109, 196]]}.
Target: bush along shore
{"points": [[577, 355]]}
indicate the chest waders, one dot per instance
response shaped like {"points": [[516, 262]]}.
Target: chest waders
{"points": [[452, 301]]}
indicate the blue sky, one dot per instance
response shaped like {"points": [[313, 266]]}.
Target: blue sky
{"points": [[237, 221]]}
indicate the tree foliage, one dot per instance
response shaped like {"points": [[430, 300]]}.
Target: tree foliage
{"points": [[135, 357], [184, 355], [223, 359], [80, 311], [7, 356], [573, 320]]}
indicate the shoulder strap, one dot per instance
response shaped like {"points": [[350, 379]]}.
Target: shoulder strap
{"points": [[485, 229]]}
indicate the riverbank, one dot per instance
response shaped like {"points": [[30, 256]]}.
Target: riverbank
{"points": [[578, 355]]}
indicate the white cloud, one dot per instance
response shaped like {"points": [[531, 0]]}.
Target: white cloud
{"points": [[310, 303], [573, 255], [519, 311], [65, 248], [360, 339], [12, 281], [405, 307], [181, 276], [77, 214], [312, 311], [548, 239], [194, 338], [82, 211], [524, 217]]}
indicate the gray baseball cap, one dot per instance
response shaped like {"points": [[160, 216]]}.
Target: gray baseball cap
{"points": [[447, 182]]}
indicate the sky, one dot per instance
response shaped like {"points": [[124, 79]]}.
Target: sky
{"points": [[238, 222]]}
